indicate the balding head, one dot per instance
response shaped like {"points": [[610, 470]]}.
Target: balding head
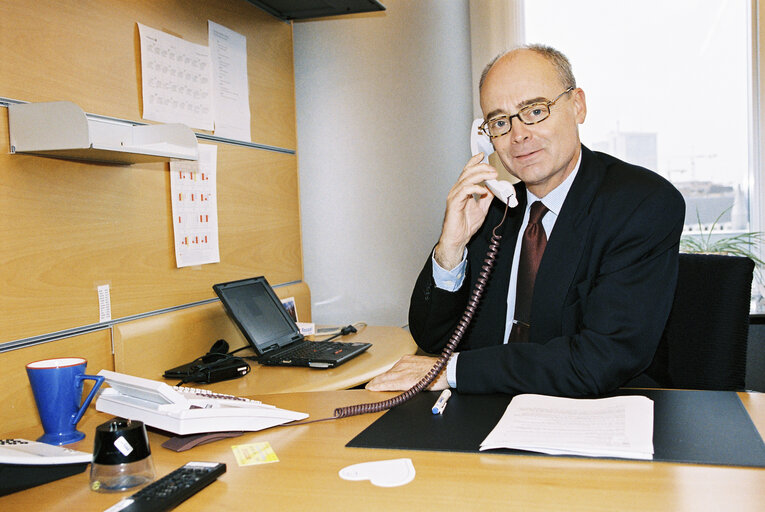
{"points": [[556, 58]]}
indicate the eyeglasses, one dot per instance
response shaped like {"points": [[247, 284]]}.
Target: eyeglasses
{"points": [[530, 114]]}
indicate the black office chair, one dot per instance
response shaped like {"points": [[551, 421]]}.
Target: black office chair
{"points": [[704, 342]]}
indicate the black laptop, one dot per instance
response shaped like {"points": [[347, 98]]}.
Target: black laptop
{"points": [[272, 332]]}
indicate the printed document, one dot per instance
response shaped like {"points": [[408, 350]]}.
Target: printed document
{"points": [[231, 99], [176, 79], [195, 208], [619, 426]]}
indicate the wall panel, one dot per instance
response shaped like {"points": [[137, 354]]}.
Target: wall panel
{"points": [[88, 52], [67, 227]]}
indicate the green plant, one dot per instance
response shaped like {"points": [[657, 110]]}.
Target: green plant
{"points": [[742, 244]]}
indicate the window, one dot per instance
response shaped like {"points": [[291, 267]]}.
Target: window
{"points": [[668, 87]]}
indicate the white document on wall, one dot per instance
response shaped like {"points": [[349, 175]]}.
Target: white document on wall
{"points": [[176, 77], [619, 426], [231, 99], [195, 208]]}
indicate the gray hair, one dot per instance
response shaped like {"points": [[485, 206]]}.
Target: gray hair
{"points": [[556, 58]]}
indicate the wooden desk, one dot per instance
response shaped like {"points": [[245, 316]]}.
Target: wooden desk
{"points": [[310, 456], [389, 344]]}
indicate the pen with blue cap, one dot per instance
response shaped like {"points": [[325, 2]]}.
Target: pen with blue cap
{"points": [[440, 405]]}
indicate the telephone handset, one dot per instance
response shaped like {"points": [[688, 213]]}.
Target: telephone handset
{"points": [[505, 192], [481, 143]]}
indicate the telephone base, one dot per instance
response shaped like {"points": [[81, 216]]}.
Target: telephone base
{"points": [[25, 464]]}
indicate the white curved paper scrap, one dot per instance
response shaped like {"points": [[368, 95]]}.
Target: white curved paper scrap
{"points": [[382, 473]]}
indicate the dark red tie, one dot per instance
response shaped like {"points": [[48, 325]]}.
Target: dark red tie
{"points": [[532, 248]]}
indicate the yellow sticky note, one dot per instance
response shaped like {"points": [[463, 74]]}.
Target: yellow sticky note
{"points": [[255, 453]]}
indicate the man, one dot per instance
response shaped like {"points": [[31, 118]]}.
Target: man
{"points": [[606, 280]]}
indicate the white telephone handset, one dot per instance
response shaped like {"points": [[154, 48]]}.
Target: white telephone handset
{"points": [[502, 190]]}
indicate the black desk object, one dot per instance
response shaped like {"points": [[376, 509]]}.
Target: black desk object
{"points": [[696, 427]]}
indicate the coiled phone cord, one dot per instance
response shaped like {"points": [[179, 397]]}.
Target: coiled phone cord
{"points": [[456, 337]]}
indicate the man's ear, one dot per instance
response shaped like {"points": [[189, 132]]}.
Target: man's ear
{"points": [[580, 104]]}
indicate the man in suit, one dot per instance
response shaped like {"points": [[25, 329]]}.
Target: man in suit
{"points": [[606, 280]]}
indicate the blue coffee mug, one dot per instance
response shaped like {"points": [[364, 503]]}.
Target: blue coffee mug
{"points": [[57, 387]]}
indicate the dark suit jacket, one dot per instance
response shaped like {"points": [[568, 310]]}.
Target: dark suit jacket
{"points": [[602, 296]]}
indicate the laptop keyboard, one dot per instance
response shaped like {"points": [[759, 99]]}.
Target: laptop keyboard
{"points": [[313, 349]]}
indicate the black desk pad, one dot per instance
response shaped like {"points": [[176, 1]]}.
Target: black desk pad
{"points": [[697, 427]]}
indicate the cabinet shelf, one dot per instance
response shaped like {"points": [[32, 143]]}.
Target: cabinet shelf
{"points": [[60, 129]]}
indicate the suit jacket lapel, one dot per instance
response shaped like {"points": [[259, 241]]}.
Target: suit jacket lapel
{"points": [[564, 249]]}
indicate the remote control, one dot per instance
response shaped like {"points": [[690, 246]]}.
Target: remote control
{"points": [[173, 488]]}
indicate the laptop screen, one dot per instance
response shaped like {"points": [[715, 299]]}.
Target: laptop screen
{"points": [[258, 313]]}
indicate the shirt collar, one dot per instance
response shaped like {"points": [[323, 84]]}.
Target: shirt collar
{"points": [[554, 200]]}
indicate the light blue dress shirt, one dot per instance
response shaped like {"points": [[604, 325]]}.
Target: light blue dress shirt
{"points": [[451, 280]]}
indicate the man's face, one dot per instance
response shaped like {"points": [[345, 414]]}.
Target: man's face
{"points": [[544, 154]]}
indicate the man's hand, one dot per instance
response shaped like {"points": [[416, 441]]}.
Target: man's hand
{"points": [[407, 372], [464, 214]]}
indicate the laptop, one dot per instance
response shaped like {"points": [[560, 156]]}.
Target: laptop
{"points": [[271, 331]]}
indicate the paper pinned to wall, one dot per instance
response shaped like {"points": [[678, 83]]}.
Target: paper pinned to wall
{"points": [[231, 97], [104, 303], [176, 78], [195, 208]]}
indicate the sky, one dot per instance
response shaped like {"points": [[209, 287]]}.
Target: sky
{"points": [[675, 67]]}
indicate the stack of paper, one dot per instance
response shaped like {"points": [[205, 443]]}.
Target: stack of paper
{"points": [[620, 426]]}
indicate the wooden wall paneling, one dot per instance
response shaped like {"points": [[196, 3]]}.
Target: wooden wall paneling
{"points": [[70, 226], [148, 346], [89, 53], [19, 409], [259, 211]]}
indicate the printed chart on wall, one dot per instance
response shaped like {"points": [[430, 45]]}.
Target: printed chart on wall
{"points": [[176, 79], [195, 208]]}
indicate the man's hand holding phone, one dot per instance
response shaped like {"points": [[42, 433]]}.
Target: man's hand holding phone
{"points": [[466, 207]]}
